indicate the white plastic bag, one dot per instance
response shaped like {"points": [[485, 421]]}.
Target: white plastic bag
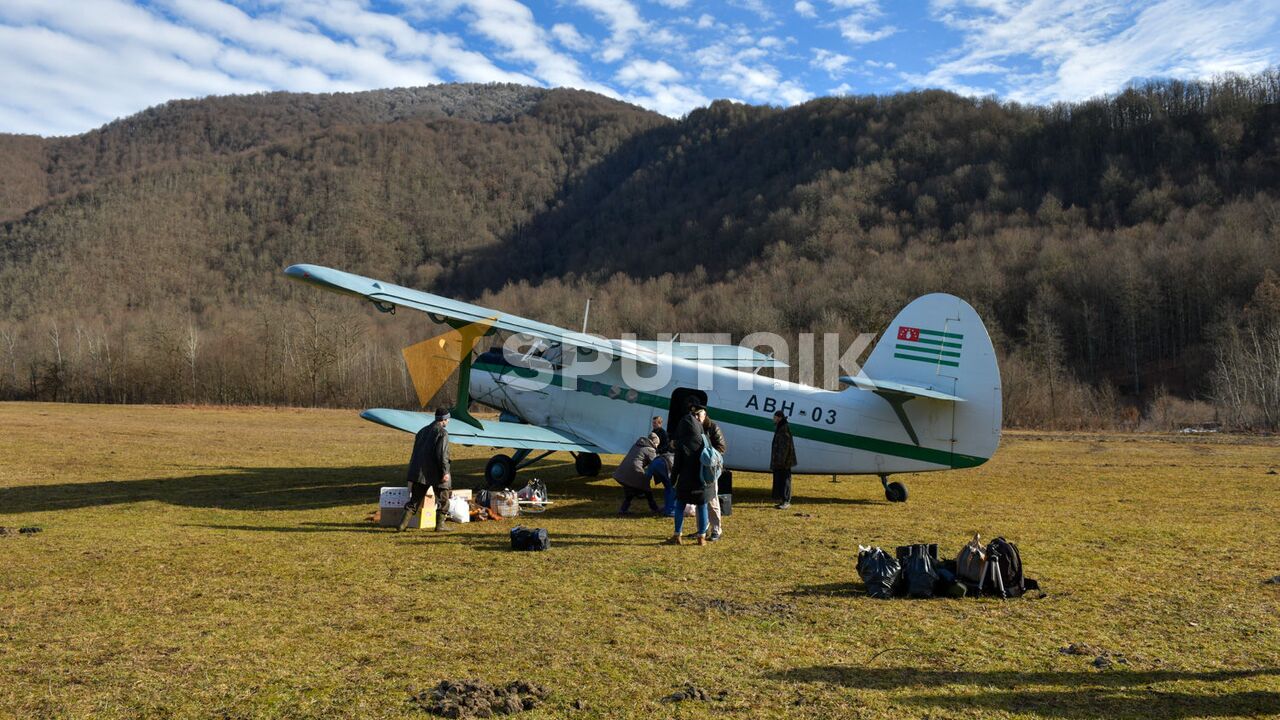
{"points": [[690, 510], [459, 510]]}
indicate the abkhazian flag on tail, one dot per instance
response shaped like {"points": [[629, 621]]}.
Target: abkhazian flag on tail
{"points": [[930, 346]]}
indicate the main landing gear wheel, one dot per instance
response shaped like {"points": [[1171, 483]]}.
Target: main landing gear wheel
{"points": [[587, 464], [893, 491], [500, 472]]}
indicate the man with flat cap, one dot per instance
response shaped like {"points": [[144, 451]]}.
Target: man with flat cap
{"points": [[429, 468]]}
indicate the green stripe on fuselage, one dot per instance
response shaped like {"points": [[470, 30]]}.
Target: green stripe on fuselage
{"points": [[758, 422]]}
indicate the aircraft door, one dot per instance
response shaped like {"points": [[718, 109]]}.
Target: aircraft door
{"points": [[679, 401]]}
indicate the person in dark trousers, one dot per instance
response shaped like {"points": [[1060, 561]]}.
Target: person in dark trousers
{"points": [[631, 474], [664, 443], [659, 471], [429, 468], [715, 436], [782, 460], [687, 443]]}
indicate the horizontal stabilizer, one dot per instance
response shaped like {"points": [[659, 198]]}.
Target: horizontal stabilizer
{"points": [[899, 388], [492, 433]]}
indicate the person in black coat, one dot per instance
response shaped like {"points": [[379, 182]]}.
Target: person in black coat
{"points": [[686, 441], [429, 468], [664, 443], [781, 460]]}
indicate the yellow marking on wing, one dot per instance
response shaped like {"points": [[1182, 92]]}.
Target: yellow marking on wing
{"points": [[432, 361]]}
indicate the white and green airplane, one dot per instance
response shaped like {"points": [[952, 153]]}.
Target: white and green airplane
{"points": [[927, 398]]}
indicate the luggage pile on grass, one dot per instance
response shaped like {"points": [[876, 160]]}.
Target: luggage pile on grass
{"points": [[916, 571]]}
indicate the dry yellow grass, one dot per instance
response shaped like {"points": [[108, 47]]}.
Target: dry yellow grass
{"points": [[216, 563]]}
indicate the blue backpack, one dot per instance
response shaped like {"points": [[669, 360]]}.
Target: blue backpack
{"points": [[712, 462]]}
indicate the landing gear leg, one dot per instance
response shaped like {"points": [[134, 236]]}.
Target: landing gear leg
{"points": [[893, 491]]}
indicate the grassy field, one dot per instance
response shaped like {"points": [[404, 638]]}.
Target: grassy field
{"points": [[218, 563]]}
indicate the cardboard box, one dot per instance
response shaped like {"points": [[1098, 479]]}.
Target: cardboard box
{"points": [[391, 502]]}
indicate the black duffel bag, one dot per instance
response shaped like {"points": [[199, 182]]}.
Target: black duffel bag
{"points": [[529, 539]]}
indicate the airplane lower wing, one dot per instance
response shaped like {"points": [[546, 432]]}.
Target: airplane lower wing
{"points": [[492, 433]]}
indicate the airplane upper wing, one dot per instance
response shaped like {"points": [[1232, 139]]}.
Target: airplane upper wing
{"points": [[725, 356], [493, 433], [440, 308], [899, 388]]}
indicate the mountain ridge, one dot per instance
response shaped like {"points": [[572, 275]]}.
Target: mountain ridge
{"points": [[1117, 233]]}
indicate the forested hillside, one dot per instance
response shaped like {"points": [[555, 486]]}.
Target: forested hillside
{"points": [[1119, 248]]}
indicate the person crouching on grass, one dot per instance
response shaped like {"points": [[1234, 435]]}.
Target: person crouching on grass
{"points": [[659, 471], [686, 440], [632, 476]]}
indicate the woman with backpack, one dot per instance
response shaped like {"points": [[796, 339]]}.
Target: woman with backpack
{"points": [[687, 442]]}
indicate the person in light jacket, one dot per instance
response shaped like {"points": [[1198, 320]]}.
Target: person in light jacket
{"points": [[631, 474], [715, 436]]}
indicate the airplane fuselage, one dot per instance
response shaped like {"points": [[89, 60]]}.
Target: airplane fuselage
{"points": [[845, 432]]}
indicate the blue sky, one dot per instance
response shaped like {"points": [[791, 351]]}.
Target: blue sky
{"points": [[67, 66]]}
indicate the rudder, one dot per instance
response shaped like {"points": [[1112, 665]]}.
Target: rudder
{"points": [[938, 341]]}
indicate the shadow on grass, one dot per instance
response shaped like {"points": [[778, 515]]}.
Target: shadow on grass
{"points": [[237, 488], [309, 488], [830, 590], [1110, 694], [303, 528]]}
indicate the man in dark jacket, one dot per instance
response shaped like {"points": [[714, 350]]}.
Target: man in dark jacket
{"points": [[782, 460], [686, 441], [664, 443], [429, 468]]}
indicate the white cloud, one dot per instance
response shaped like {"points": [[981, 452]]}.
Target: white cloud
{"points": [[834, 63], [804, 8], [706, 21], [744, 72], [856, 26], [511, 25], [642, 72], [654, 85], [568, 36], [624, 23], [841, 89], [1075, 49], [760, 8], [674, 4]]}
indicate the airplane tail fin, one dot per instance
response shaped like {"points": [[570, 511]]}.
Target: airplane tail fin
{"points": [[937, 354]]}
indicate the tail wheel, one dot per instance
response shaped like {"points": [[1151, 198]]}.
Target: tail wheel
{"points": [[895, 492], [500, 472], [587, 464]]}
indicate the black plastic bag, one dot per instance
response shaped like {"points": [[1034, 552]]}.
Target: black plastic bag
{"points": [[921, 576], [879, 572]]}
